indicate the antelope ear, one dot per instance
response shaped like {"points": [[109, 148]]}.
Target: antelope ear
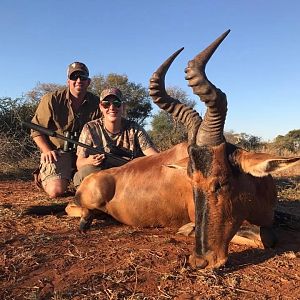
{"points": [[180, 164], [262, 164]]}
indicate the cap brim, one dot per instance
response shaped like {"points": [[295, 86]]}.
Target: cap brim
{"points": [[79, 70]]}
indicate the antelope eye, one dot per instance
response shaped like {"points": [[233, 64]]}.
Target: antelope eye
{"points": [[216, 187]]}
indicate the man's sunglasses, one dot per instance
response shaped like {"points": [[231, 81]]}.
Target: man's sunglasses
{"points": [[82, 77], [116, 103]]}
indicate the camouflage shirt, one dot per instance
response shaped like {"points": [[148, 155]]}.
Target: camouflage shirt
{"points": [[132, 138], [55, 113]]}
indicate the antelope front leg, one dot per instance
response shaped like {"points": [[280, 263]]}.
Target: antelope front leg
{"points": [[86, 220]]}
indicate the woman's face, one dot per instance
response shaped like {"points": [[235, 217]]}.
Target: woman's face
{"points": [[111, 108]]}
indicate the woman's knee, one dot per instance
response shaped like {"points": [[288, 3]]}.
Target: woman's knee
{"points": [[84, 172]]}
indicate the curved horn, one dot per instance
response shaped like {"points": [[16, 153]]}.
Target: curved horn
{"points": [[181, 112], [211, 130]]}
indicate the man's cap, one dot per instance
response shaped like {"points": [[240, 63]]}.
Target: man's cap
{"points": [[111, 91], [77, 66]]}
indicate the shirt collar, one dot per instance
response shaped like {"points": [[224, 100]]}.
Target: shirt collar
{"points": [[68, 97]]}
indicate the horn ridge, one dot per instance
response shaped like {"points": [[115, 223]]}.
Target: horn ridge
{"points": [[181, 112], [211, 129]]}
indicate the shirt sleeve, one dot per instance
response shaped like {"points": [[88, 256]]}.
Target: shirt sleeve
{"points": [[85, 138], [144, 139], [43, 115]]}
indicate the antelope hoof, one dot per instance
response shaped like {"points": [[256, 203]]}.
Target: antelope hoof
{"points": [[268, 237], [85, 224], [197, 261]]}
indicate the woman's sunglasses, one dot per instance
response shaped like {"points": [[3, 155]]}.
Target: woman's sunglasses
{"points": [[82, 77], [107, 103]]}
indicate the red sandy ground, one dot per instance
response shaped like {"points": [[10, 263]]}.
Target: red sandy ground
{"points": [[45, 257]]}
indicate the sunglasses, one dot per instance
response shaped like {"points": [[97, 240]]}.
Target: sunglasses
{"points": [[116, 103], [82, 77]]}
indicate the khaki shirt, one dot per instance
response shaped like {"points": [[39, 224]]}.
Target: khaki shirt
{"points": [[55, 113], [132, 138]]}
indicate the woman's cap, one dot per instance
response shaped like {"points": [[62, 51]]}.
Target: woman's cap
{"points": [[111, 91]]}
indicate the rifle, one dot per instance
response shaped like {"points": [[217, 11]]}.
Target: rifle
{"points": [[113, 159]]}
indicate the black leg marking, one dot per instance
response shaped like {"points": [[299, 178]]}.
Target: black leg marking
{"points": [[85, 223]]}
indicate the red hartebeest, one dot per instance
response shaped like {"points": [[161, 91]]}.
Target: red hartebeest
{"points": [[207, 181]]}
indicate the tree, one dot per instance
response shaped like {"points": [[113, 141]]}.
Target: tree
{"points": [[248, 141], [12, 112], [290, 141], [244, 140], [231, 137], [34, 96], [15, 140], [166, 131]]}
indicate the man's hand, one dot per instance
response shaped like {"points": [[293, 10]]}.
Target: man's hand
{"points": [[49, 156]]}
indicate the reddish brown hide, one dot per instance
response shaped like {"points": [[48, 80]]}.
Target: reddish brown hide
{"points": [[144, 192], [214, 184], [225, 197], [156, 191]]}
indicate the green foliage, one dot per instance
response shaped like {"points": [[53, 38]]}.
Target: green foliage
{"points": [[290, 141], [244, 140], [138, 102], [284, 145], [166, 131], [249, 142]]}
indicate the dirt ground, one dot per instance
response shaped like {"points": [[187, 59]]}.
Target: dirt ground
{"points": [[44, 256]]}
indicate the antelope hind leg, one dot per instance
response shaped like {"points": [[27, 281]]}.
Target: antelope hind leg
{"points": [[249, 235], [187, 230], [255, 236], [73, 210]]}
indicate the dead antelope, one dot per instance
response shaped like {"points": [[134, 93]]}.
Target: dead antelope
{"points": [[207, 181]]}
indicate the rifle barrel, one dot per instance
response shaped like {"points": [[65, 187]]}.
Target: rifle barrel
{"points": [[53, 133]]}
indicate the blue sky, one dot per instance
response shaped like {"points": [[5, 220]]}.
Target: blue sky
{"points": [[257, 65]]}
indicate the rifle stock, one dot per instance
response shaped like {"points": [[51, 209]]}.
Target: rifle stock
{"points": [[113, 159]]}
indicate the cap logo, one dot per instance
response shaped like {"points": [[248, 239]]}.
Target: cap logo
{"points": [[77, 66]]}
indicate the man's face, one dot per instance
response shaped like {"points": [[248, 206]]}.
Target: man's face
{"points": [[78, 83], [111, 108]]}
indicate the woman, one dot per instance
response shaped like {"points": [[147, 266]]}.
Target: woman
{"points": [[113, 134]]}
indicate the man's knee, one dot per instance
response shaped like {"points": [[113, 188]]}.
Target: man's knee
{"points": [[56, 188]]}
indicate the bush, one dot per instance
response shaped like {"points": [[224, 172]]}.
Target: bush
{"points": [[16, 143]]}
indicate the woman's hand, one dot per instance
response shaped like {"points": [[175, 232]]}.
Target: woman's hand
{"points": [[95, 159]]}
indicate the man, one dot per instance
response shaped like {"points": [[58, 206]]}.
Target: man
{"points": [[64, 111], [112, 133]]}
